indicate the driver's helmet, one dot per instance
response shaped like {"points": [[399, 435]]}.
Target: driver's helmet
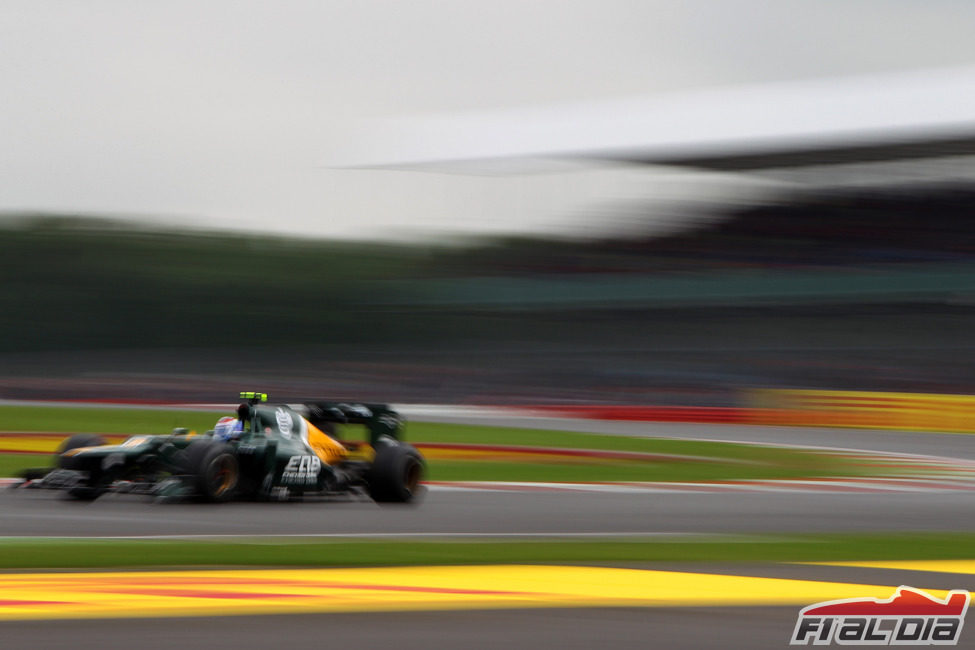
{"points": [[227, 428]]}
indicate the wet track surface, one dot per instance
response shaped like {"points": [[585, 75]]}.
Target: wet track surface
{"points": [[447, 512]]}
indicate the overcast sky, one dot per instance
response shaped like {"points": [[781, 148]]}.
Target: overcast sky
{"points": [[223, 113]]}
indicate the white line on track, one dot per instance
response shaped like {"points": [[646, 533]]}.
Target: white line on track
{"points": [[919, 484], [837, 485]]}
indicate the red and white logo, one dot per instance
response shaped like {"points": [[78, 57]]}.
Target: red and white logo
{"points": [[909, 617]]}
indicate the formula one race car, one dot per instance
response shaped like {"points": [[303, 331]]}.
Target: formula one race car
{"points": [[268, 452]]}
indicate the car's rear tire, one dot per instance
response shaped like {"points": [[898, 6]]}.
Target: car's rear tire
{"points": [[395, 474], [214, 470], [94, 488]]}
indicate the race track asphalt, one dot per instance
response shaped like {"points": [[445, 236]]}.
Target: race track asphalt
{"points": [[539, 629], [446, 512], [952, 445], [36, 513], [538, 512]]}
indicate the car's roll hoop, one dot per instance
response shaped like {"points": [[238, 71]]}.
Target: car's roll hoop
{"points": [[253, 398]]}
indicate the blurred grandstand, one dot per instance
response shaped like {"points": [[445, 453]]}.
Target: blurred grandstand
{"points": [[866, 288]]}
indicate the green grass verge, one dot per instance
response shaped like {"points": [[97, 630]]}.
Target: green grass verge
{"points": [[716, 461], [791, 465], [37, 553], [13, 464], [102, 420]]}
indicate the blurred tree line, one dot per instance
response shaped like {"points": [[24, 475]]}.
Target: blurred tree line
{"points": [[75, 282]]}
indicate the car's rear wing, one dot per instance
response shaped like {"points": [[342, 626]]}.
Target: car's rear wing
{"points": [[379, 419]]}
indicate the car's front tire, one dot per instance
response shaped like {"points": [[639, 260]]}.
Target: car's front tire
{"points": [[95, 487], [213, 468], [76, 441]]}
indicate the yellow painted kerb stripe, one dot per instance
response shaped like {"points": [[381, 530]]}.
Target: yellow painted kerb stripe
{"points": [[966, 567], [209, 593]]}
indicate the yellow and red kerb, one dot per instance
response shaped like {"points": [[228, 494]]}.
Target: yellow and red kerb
{"points": [[213, 593]]}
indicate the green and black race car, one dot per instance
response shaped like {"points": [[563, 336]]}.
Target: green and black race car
{"points": [[270, 452]]}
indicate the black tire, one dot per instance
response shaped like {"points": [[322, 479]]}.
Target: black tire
{"points": [[395, 474], [214, 470], [94, 488], [75, 442]]}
